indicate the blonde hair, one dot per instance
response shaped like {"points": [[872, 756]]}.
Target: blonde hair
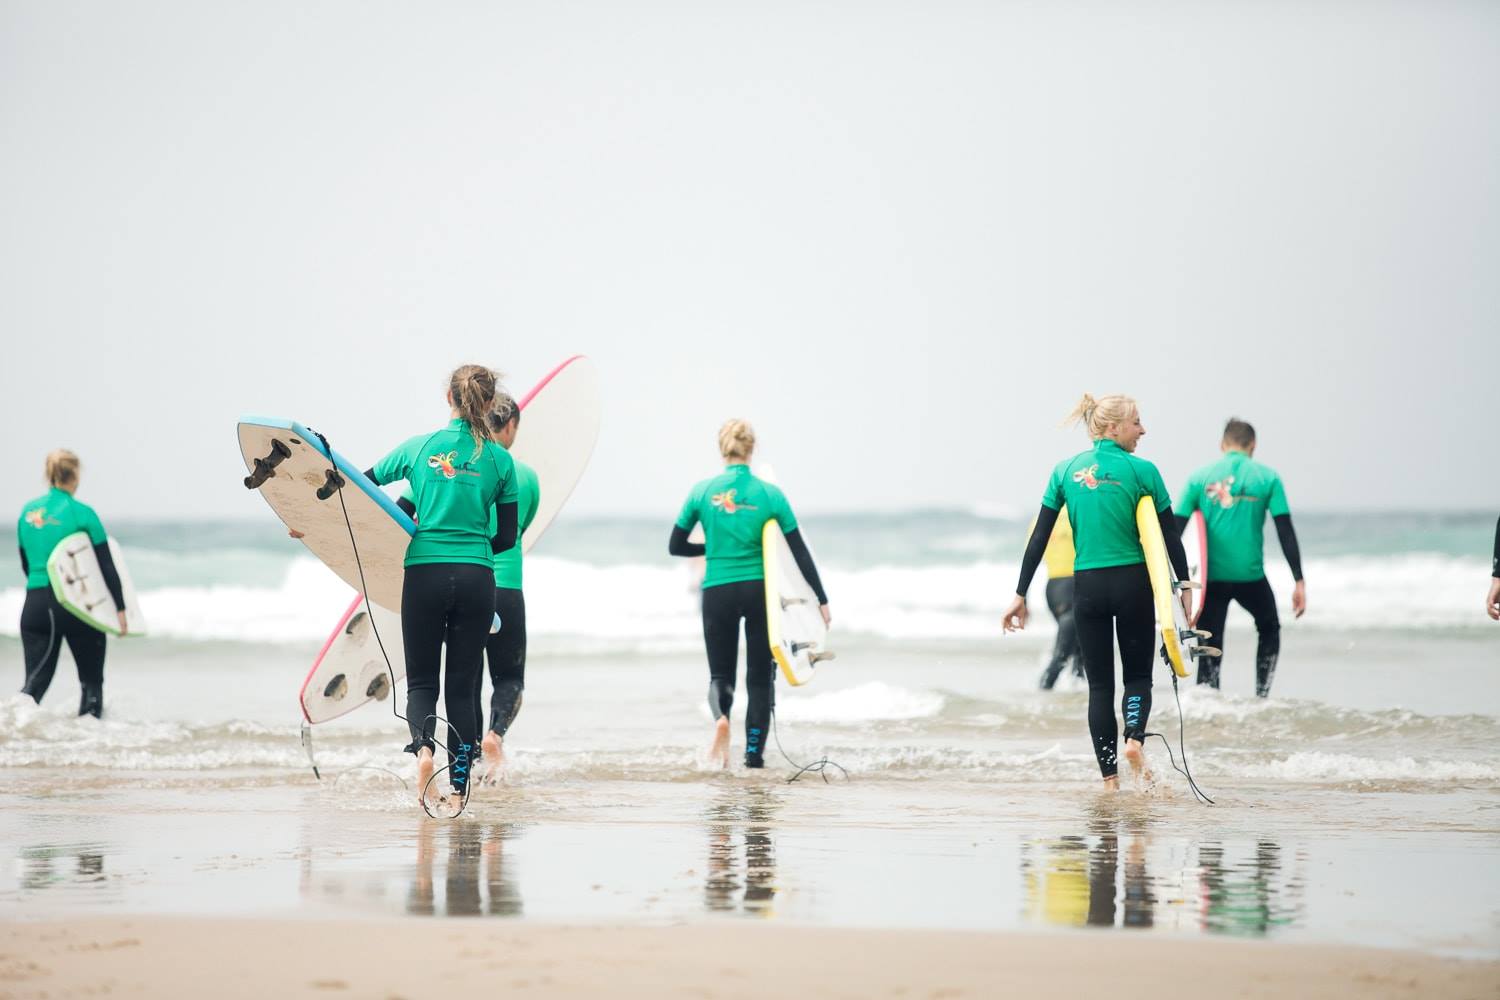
{"points": [[62, 468], [736, 439], [1099, 415], [473, 390]]}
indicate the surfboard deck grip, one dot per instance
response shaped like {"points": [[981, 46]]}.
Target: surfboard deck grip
{"points": [[331, 484], [265, 468]]}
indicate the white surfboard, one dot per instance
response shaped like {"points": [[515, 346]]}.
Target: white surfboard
{"points": [[311, 488], [559, 426], [794, 625], [78, 584], [1195, 542]]}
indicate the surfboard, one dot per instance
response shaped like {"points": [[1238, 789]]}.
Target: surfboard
{"points": [[1195, 542], [559, 428], [794, 625], [311, 487], [78, 584], [1179, 641]]}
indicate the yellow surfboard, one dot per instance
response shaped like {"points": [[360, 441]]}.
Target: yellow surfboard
{"points": [[1170, 618]]}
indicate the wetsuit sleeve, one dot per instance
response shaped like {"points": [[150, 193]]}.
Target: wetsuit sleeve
{"points": [[408, 507], [805, 563], [1494, 567], [1181, 522], [1289, 545], [111, 575], [26, 565], [678, 544], [505, 527], [1173, 538], [1041, 532]]}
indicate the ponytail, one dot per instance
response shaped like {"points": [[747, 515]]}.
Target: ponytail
{"points": [[472, 388], [62, 468], [1099, 415]]}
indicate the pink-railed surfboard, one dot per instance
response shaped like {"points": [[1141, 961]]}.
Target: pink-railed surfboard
{"points": [[1195, 541], [559, 425]]}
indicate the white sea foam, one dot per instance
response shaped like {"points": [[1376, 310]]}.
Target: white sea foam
{"points": [[872, 702], [640, 607]]}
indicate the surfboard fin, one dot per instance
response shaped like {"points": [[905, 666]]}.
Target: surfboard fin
{"points": [[1205, 651], [819, 657], [332, 483], [787, 602], [265, 468]]}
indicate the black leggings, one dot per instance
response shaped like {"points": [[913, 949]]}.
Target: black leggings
{"points": [[1060, 603], [450, 603], [507, 656], [45, 626], [1256, 597], [723, 607], [1118, 599]]}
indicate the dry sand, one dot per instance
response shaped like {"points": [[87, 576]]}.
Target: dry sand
{"points": [[162, 957]]}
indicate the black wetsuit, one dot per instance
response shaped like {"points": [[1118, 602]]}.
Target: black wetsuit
{"points": [[724, 607], [1113, 602], [507, 658], [46, 625], [1256, 597], [1060, 601]]}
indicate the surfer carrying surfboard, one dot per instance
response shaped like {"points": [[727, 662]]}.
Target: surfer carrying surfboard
{"points": [[734, 508], [1100, 488], [1235, 493], [45, 623], [464, 491]]}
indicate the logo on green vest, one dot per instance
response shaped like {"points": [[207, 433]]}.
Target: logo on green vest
{"points": [[39, 518], [725, 501], [1091, 477], [1222, 493]]}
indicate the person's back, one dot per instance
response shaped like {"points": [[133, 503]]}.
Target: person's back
{"points": [[47, 520], [733, 508]]}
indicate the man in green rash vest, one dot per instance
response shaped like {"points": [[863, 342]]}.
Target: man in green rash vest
{"points": [[506, 648], [1235, 494]]}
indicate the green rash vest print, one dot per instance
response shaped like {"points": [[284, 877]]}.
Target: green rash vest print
{"points": [[46, 521], [1235, 494], [528, 498], [454, 487], [1100, 489], [734, 508]]}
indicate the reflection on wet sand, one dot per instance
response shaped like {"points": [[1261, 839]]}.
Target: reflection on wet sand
{"points": [[756, 807], [40, 868], [476, 879], [1109, 878]]}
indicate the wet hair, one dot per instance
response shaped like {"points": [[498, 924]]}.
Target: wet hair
{"points": [[505, 410], [736, 439], [473, 389], [62, 468], [1238, 432], [1099, 415]]}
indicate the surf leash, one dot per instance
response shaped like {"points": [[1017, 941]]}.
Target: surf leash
{"points": [[819, 767], [1184, 770]]}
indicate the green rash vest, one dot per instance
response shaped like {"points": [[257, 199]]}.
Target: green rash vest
{"points": [[734, 508], [1235, 494], [46, 521], [455, 487], [1100, 489], [529, 497]]}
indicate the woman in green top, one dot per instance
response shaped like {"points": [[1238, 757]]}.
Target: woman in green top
{"points": [[1112, 591], [45, 623], [734, 508], [462, 483]]}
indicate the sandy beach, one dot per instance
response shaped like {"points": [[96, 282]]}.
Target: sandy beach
{"points": [[386, 959]]}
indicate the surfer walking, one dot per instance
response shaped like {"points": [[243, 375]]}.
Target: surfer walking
{"points": [[464, 494], [1235, 493], [733, 508], [1059, 560], [45, 623], [1100, 488]]}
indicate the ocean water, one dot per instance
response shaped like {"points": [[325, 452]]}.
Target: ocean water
{"points": [[1368, 785]]}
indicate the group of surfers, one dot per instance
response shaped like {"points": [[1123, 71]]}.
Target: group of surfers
{"points": [[463, 564]]}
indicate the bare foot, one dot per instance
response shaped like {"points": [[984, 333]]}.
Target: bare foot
{"points": [[1135, 756], [718, 753], [424, 772], [494, 757], [1112, 783]]}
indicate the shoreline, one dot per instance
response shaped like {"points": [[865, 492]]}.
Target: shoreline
{"points": [[232, 957]]}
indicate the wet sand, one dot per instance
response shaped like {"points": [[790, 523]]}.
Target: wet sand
{"points": [[162, 957]]}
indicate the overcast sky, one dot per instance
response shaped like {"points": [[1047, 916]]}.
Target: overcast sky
{"points": [[901, 239]]}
